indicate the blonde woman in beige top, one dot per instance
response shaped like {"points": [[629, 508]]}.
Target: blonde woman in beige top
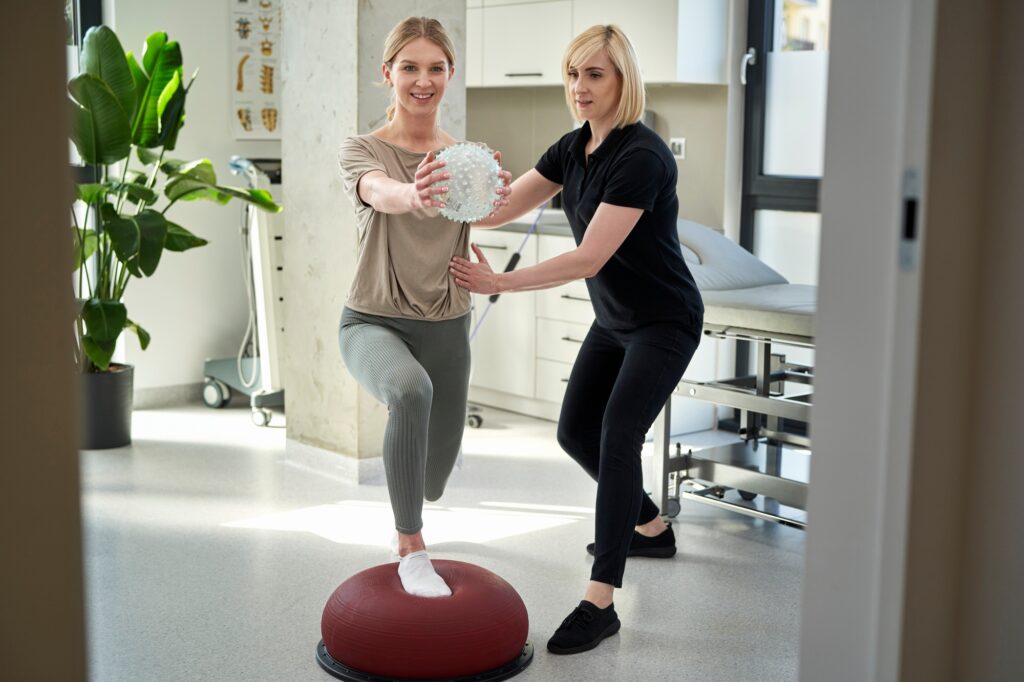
{"points": [[405, 328]]}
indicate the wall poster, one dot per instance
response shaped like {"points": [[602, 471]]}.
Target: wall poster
{"points": [[255, 69]]}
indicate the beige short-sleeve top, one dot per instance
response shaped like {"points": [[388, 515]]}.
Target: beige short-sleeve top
{"points": [[402, 268]]}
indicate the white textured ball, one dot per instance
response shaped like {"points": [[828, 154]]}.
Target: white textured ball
{"points": [[473, 182]]}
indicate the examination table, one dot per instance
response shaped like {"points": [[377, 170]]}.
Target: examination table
{"points": [[745, 301]]}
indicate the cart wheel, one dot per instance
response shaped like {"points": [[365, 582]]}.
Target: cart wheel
{"points": [[673, 507], [215, 393], [261, 416], [746, 495], [474, 421]]}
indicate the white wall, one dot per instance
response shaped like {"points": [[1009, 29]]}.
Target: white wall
{"points": [[857, 498], [195, 305]]}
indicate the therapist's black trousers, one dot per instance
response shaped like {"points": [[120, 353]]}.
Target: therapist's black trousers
{"points": [[619, 384]]}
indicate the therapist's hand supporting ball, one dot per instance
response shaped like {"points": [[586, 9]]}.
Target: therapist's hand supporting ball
{"points": [[477, 277], [423, 192], [505, 191]]}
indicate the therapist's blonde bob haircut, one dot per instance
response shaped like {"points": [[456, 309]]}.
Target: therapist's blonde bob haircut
{"points": [[614, 42]]}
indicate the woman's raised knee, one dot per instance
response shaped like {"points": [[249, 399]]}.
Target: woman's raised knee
{"points": [[411, 395]]}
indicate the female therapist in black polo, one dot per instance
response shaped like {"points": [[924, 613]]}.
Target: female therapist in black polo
{"points": [[618, 182]]}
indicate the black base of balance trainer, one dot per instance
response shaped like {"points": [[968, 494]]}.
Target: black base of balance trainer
{"points": [[343, 672]]}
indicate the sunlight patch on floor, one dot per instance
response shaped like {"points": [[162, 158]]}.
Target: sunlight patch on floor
{"points": [[353, 522]]}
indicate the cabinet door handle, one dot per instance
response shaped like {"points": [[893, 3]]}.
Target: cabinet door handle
{"points": [[519, 75], [569, 338], [570, 297], [493, 246], [564, 381]]}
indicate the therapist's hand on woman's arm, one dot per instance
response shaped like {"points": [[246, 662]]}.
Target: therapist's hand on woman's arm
{"points": [[607, 230]]}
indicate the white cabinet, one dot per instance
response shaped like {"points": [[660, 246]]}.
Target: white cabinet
{"points": [[523, 43], [564, 316], [503, 348], [519, 42], [677, 41], [473, 60], [552, 378], [528, 342]]}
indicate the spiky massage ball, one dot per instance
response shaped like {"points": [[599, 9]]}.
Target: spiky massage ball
{"points": [[473, 182]]}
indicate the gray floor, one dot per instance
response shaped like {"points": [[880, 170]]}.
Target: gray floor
{"points": [[209, 556]]}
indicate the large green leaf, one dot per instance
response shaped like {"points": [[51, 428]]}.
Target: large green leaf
{"points": [[86, 242], [104, 319], [258, 197], [184, 188], [124, 235], [198, 180], [200, 169], [140, 81], [91, 192], [152, 232], [146, 127], [140, 332], [107, 213], [136, 192], [154, 43], [170, 111], [99, 352], [101, 131], [103, 57], [138, 240], [179, 239]]}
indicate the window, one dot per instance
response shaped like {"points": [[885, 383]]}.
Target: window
{"points": [[784, 136]]}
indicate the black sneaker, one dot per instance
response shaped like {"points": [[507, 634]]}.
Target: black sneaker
{"points": [[661, 546], [584, 629]]}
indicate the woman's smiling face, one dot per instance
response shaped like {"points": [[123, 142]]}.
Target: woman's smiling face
{"points": [[596, 88], [420, 74]]}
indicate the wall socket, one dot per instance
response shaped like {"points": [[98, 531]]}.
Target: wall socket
{"points": [[678, 147]]}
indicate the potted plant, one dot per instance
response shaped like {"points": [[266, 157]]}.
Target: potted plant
{"points": [[126, 117]]}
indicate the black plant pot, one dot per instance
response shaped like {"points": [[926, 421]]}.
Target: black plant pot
{"points": [[107, 408]]}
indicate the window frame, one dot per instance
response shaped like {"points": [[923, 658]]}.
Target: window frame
{"points": [[760, 190]]}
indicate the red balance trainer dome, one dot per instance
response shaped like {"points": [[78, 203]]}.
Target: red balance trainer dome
{"points": [[373, 628]]}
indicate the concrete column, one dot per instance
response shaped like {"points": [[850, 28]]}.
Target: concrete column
{"points": [[330, 91]]}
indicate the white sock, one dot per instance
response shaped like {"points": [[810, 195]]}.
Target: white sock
{"points": [[393, 546], [419, 578]]}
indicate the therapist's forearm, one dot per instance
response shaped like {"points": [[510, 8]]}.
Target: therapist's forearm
{"points": [[554, 272]]}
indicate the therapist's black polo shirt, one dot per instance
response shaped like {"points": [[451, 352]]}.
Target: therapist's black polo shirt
{"points": [[646, 280]]}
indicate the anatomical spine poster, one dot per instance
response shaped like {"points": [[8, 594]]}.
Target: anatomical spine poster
{"points": [[256, 69]]}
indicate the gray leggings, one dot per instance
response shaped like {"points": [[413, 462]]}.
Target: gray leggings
{"points": [[420, 370]]}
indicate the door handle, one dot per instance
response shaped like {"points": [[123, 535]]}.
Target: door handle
{"points": [[749, 59]]}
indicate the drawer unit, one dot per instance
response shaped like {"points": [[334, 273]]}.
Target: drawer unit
{"points": [[552, 378], [503, 349], [568, 302], [559, 340]]}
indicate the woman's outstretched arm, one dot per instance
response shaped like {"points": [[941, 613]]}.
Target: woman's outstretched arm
{"points": [[387, 195]]}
